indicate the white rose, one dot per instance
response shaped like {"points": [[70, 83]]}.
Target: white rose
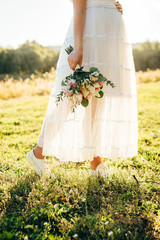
{"points": [[79, 97], [92, 78], [85, 92], [91, 88], [96, 85]]}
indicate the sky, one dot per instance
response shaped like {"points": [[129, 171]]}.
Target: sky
{"points": [[47, 21]]}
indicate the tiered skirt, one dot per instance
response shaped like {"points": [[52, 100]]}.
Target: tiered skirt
{"points": [[108, 127]]}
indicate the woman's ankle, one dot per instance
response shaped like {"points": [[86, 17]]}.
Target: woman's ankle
{"points": [[38, 152], [96, 161]]}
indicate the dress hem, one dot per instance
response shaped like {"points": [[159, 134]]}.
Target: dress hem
{"points": [[116, 155]]}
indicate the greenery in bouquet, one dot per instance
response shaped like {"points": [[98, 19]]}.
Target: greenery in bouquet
{"points": [[81, 85]]}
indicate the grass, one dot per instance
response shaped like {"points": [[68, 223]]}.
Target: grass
{"points": [[35, 84], [148, 76], [69, 204]]}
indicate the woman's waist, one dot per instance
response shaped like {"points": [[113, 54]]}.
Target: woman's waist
{"points": [[101, 3]]}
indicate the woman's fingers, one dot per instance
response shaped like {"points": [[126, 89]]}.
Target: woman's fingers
{"points": [[72, 64], [119, 7], [74, 59]]}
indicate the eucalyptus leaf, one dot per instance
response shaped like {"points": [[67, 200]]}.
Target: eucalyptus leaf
{"points": [[93, 69], [101, 94], [84, 102]]}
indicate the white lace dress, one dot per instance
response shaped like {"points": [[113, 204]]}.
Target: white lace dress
{"points": [[108, 127]]}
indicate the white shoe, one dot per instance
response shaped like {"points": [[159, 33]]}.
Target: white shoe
{"points": [[92, 172], [40, 165], [101, 170]]}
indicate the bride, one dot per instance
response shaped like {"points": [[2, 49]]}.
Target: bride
{"points": [[107, 127]]}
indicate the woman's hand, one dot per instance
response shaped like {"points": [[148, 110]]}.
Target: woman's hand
{"points": [[119, 7], [74, 58]]}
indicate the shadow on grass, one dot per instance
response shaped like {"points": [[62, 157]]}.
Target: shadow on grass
{"points": [[108, 209], [18, 195], [114, 211]]}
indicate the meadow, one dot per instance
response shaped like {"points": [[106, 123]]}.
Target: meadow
{"points": [[69, 204]]}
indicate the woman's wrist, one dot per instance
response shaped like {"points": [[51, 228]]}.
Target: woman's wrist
{"points": [[78, 48]]}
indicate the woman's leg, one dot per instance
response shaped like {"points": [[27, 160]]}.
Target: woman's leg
{"points": [[96, 160], [38, 152]]}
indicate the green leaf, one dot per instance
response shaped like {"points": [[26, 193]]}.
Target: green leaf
{"points": [[63, 83], [93, 69], [79, 69], [29, 226], [101, 94], [84, 102]]}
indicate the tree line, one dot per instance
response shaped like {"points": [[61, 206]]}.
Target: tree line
{"points": [[32, 56], [147, 55], [29, 57]]}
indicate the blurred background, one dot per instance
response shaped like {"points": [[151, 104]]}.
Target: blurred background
{"points": [[32, 33]]}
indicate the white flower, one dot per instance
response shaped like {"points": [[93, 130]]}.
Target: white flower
{"points": [[77, 98], [106, 222], [75, 235], [91, 88], [89, 96], [72, 82], [110, 233], [86, 80], [92, 78], [96, 74], [96, 85], [84, 199], [66, 88], [85, 92], [70, 191], [68, 93]]}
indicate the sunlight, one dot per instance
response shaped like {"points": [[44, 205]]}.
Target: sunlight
{"points": [[47, 21]]}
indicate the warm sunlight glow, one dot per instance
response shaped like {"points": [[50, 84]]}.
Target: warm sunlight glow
{"points": [[47, 21]]}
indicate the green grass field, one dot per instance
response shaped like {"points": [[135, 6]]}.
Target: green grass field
{"points": [[69, 204]]}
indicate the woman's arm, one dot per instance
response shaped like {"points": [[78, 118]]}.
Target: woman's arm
{"points": [[75, 57]]}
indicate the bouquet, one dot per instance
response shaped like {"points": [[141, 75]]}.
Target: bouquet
{"points": [[81, 85]]}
